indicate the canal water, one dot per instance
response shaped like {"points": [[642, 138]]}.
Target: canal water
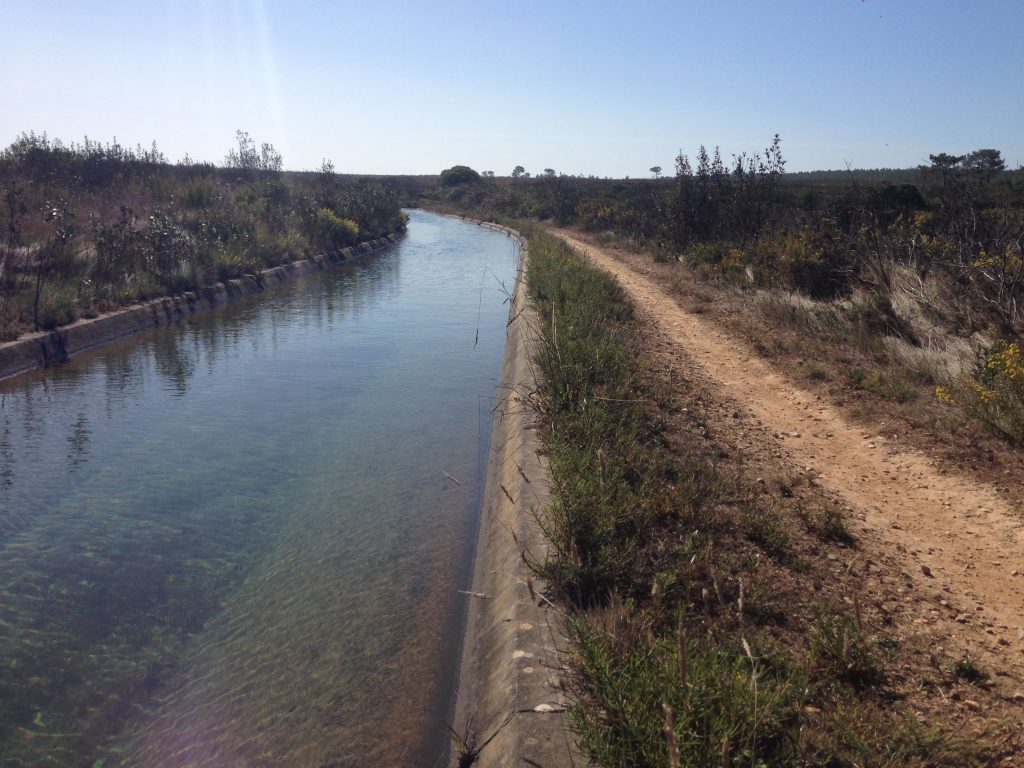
{"points": [[239, 541]]}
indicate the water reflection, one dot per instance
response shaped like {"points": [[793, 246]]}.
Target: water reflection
{"points": [[78, 442], [6, 455], [234, 539], [176, 358]]}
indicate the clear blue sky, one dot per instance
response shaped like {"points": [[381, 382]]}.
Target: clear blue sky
{"points": [[604, 88]]}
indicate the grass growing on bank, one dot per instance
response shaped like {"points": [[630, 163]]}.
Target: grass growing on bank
{"points": [[89, 228], [699, 638]]}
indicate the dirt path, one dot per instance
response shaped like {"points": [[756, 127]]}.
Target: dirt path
{"points": [[958, 536]]}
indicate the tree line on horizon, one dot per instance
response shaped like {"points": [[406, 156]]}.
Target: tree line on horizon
{"points": [[933, 269], [822, 233], [979, 161]]}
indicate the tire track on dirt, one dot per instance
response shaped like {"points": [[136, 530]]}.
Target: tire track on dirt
{"points": [[966, 540]]}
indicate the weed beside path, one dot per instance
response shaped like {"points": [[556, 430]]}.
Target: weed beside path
{"points": [[724, 611]]}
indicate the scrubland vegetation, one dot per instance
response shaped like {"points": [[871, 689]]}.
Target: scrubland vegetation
{"points": [[89, 227], [900, 288]]}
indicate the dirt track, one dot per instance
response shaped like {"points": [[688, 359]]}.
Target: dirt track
{"points": [[955, 535]]}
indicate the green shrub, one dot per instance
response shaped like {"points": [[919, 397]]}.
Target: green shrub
{"points": [[705, 254], [994, 393], [199, 194], [458, 175], [231, 264], [810, 260], [225, 227], [329, 232], [168, 251], [57, 306]]}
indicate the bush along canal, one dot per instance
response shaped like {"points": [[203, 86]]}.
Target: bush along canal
{"points": [[239, 540]]}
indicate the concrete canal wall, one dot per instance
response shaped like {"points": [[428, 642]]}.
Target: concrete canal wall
{"points": [[511, 687], [38, 350]]}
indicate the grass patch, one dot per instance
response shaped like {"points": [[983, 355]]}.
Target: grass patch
{"points": [[682, 700], [846, 654], [826, 521], [966, 669], [762, 524]]}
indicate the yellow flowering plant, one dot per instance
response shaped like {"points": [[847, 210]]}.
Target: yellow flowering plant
{"points": [[994, 393]]}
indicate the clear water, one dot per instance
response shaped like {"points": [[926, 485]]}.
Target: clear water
{"points": [[235, 542]]}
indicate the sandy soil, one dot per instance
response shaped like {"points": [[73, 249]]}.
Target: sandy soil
{"points": [[960, 543]]}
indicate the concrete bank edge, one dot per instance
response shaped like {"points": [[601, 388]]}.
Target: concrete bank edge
{"points": [[40, 350], [510, 690]]}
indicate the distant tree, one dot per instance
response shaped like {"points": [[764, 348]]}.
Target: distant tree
{"points": [[945, 165], [656, 171], [488, 174], [270, 158], [984, 164], [549, 172], [246, 158], [326, 183], [458, 174], [518, 172]]}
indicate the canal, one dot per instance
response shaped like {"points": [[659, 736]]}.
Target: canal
{"points": [[238, 541]]}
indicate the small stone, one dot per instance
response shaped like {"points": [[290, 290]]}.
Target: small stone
{"points": [[926, 571], [962, 618], [972, 704]]}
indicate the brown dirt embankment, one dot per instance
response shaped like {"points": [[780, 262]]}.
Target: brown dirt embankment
{"points": [[39, 350], [510, 703]]}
